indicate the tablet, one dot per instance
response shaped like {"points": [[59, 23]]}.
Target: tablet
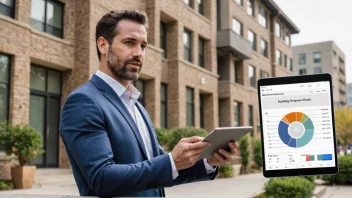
{"points": [[220, 138], [297, 125]]}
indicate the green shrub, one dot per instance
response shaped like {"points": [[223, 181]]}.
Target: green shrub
{"points": [[176, 134], [345, 172], [22, 141], [162, 135], [289, 187], [257, 151], [226, 170], [243, 147], [310, 178], [6, 185]]}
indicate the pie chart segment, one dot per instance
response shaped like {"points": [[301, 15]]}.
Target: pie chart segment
{"points": [[296, 129]]}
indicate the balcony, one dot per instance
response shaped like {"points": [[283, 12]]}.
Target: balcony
{"points": [[227, 41]]}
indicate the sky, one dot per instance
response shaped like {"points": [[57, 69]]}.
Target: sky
{"points": [[322, 20]]}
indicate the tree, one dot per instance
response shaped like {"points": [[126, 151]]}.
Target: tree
{"points": [[343, 125]]}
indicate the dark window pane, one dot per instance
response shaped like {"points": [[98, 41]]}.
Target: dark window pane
{"points": [[139, 84], [264, 48], [4, 101], [8, 3], [163, 106], [6, 10], [201, 7], [201, 52], [54, 14], [262, 17], [251, 76], [36, 119], [317, 57], [163, 42], [237, 112], [53, 130], [54, 82], [38, 78], [252, 38], [37, 25], [201, 110], [250, 116], [187, 46], [302, 59], [4, 68], [189, 107], [250, 7], [54, 31]]}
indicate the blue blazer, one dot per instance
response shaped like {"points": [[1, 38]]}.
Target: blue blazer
{"points": [[106, 150]]}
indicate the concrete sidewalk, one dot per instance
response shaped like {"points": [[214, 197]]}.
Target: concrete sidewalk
{"points": [[60, 182]]}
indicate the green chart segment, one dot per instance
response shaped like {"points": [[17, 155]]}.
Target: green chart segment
{"points": [[296, 129]]}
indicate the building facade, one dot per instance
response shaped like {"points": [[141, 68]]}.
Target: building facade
{"points": [[202, 62], [323, 57], [349, 94]]}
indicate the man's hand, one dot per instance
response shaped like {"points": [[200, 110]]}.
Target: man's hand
{"points": [[225, 157], [187, 151]]}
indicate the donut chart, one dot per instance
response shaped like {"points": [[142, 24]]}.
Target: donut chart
{"points": [[296, 129]]}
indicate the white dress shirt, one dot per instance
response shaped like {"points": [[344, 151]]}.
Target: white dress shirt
{"points": [[129, 97]]}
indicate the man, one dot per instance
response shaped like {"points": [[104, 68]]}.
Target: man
{"points": [[108, 135]]}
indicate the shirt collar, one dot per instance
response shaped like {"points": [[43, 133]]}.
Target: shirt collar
{"points": [[127, 93]]}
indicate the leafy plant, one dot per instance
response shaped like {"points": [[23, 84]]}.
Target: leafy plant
{"points": [[176, 134], [22, 141], [345, 172], [289, 187], [6, 185], [226, 170], [343, 125], [257, 151], [243, 147], [162, 135]]}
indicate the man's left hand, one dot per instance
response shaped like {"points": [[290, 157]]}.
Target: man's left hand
{"points": [[223, 157]]}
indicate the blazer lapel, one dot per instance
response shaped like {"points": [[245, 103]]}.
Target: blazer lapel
{"points": [[150, 129], [111, 95]]}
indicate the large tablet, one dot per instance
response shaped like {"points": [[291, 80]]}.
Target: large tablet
{"points": [[297, 125], [220, 137]]}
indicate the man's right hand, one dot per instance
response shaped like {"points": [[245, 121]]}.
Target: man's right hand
{"points": [[187, 151]]}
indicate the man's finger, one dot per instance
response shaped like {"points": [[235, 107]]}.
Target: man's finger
{"points": [[198, 145], [193, 139]]}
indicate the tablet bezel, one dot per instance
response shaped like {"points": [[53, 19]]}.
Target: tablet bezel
{"points": [[295, 80]]}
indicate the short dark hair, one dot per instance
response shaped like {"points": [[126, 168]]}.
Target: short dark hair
{"points": [[106, 27]]}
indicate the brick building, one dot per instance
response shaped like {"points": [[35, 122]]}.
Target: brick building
{"points": [[201, 66]]}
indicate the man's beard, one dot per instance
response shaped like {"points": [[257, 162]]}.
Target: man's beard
{"points": [[121, 71]]}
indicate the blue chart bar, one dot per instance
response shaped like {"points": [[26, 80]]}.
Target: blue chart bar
{"points": [[324, 157]]}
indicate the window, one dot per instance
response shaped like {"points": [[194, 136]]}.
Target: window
{"points": [[317, 57], [163, 105], [239, 72], [187, 45], [250, 117], [237, 113], [291, 64], [287, 38], [264, 48], [286, 61], [201, 52], [140, 86], [278, 29], [163, 42], [302, 59], [263, 17], [7, 8], [201, 7], [47, 16], [239, 2], [264, 74], [189, 3], [302, 71], [236, 26], [201, 110], [251, 76], [4, 88], [190, 107], [252, 38], [317, 70], [250, 7], [278, 57]]}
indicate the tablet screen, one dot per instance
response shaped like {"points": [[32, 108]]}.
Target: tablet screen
{"points": [[297, 126]]}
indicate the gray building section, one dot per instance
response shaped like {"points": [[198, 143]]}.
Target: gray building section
{"points": [[349, 94], [323, 57]]}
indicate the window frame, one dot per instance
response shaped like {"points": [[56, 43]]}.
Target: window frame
{"points": [[250, 117], [201, 57], [277, 23], [301, 71], [163, 39], [189, 4], [233, 28], [314, 58], [266, 48], [191, 103], [188, 33], [237, 111], [45, 18], [251, 2], [254, 42], [12, 14], [303, 55], [9, 85], [141, 98], [201, 7], [252, 84], [278, 60], [321, 70], [164, 102], [261, 17]]}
